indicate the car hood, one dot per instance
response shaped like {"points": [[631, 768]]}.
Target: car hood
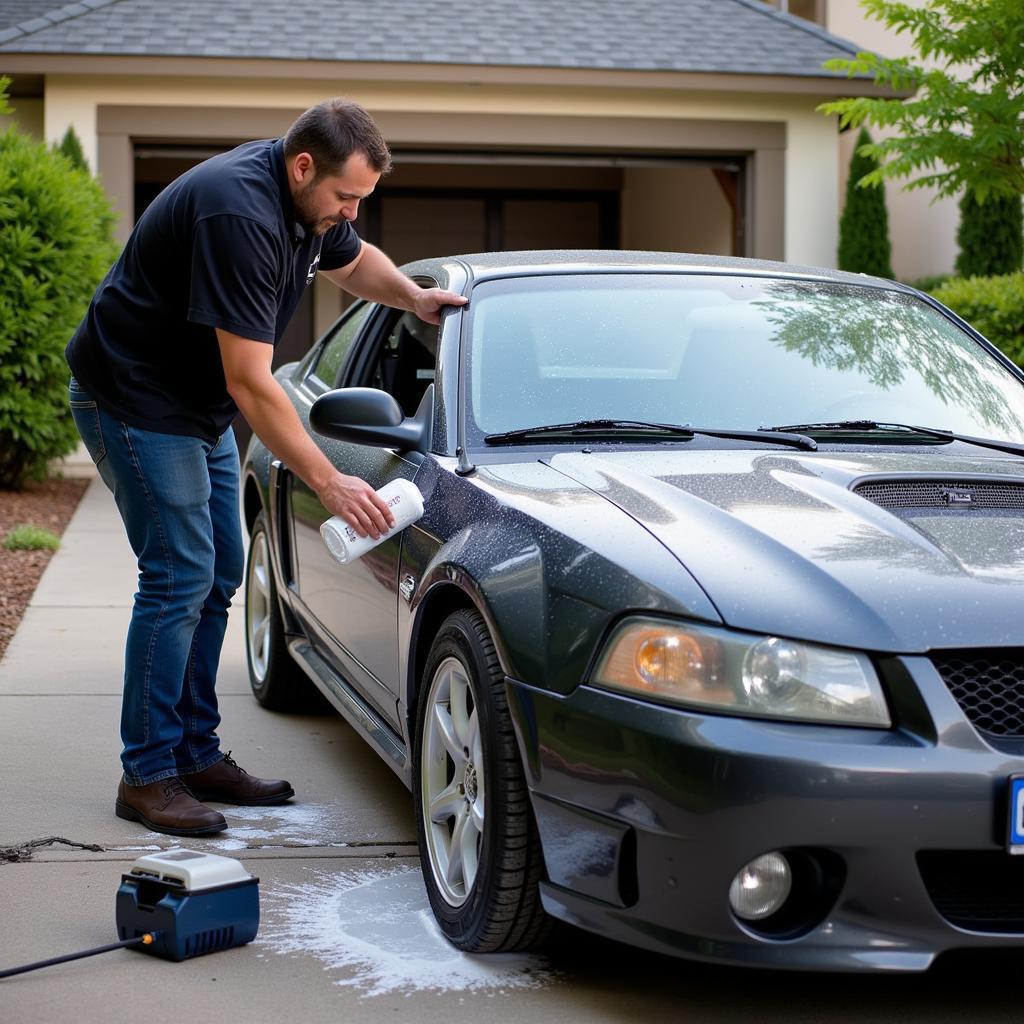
{"points": [[781, 543]]}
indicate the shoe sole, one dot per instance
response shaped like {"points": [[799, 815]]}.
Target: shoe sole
{"points": [[122, 810], [266, 801]]}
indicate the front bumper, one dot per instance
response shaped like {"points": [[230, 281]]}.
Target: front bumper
{"points": [[646, 814]]}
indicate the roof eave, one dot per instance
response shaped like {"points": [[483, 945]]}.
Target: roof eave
{"points": [[822, 85]]}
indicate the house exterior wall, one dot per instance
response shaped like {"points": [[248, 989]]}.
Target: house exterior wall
{"points": [[922, 228], [808, 162]]}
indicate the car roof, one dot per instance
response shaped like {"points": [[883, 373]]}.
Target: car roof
{"points": [[483, 265]]}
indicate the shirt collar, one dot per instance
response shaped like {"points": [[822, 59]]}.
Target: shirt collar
{"points": [[295, 229]]}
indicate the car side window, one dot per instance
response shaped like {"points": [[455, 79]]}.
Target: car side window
{"points": [[404, 363], [337, 345]]}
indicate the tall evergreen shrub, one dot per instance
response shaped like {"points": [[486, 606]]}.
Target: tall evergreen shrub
{"points": [[56, 243], [990, 236], [71, 147], [864, 246]]}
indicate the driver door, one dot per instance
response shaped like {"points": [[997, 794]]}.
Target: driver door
{"points": [[354, 607]]}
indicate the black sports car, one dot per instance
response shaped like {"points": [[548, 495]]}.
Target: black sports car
{"points": [[711, 636]]}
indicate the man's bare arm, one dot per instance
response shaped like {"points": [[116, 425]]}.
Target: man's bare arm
{"points": [[371, 275], [264, 404]]}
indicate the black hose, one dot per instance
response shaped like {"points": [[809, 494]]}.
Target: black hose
{"points": [[142, 940]]}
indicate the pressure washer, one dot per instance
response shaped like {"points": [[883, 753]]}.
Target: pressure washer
{"points": [[176, 905]]}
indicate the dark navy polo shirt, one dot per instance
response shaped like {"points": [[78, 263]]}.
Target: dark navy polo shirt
{"points": [[219, 247]]}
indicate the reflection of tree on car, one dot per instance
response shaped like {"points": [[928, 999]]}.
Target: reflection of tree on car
{"points": [[885, 339]]}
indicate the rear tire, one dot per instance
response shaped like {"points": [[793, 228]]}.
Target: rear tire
{"points": [[277, 681], [479, 847]]}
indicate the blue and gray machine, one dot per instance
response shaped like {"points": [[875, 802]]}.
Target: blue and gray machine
{"points": [[193, 903]]}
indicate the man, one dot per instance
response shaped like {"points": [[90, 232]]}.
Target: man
{"points": [[179, 337]]}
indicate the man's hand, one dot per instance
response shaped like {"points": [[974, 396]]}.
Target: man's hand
{"points": [[358, 504], [371, 275], [428, 302]]}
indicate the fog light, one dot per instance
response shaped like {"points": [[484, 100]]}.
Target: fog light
{"points": [[761, 887]]}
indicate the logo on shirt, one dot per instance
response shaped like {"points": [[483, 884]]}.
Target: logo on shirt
{"points": [[311, 273]]}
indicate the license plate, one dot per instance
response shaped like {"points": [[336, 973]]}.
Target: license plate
{"points": [[1015, 836]]}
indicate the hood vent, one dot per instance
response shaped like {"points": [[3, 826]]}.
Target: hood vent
{"points": [[947, 494]]}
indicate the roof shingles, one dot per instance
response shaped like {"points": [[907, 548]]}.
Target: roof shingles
{"points": [[724, 36]]}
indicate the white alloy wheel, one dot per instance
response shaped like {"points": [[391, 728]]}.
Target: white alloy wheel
{"points": [[452, 781], [258, 606]]}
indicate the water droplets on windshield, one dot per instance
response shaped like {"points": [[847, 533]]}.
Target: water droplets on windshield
{"points": [[727, 352]]}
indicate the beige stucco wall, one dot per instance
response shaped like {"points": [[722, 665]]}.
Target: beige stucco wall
{"points": [[921, 227], [811, 179], [27, 117]]}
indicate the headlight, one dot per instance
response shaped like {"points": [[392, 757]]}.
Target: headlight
{"points": [[699, 666]]}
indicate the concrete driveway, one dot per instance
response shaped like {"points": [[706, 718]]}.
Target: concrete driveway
{"points": [[345, 932]]}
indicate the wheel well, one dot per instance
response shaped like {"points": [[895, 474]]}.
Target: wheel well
{"points": [[440, 603], [251, 503]]}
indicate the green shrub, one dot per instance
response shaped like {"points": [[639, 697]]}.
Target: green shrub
{"points": [[992, 305], [864, 226], [930, 283], [31, 538], [990, 236], [56, 243]]}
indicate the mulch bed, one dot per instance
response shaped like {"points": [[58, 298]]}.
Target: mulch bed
{"points": [[50, 505]]}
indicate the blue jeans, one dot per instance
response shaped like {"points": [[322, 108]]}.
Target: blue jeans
{"points": [[178, 498]]}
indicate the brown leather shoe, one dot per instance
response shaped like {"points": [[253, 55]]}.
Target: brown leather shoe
{"points": [[167, 806], [228, 783]]}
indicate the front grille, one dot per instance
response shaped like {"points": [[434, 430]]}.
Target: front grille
{"points": [[982, 891], [988, 686], [961, 494]]}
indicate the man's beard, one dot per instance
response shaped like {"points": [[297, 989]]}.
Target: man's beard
{"points": [[306, 215]]}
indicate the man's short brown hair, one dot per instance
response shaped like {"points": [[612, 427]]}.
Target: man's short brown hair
{"points": [[332, 131]]}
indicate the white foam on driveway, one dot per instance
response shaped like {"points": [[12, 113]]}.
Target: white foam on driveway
{"points": [[293, 824], [284, 825], [377, 927]]}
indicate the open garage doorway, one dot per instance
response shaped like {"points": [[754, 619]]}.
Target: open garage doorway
{"points": [[433, 204]]}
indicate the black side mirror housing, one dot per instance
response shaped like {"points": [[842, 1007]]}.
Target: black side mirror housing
{"points": [[370, 416]]}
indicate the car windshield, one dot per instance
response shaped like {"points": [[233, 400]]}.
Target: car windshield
{"points": [[736, 352]]}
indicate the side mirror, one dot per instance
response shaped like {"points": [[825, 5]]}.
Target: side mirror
{"points": [[369, 416]]}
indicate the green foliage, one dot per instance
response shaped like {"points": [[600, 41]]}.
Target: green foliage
{"points": [[5, 107], [929, 283], [864, 226], [31, 538], [72, 149], [961, 130], [56, 242], [990, 236], [992, 305]]}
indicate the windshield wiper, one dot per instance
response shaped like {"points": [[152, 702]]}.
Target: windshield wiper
{"points": [[620, 427], [863, 426]]}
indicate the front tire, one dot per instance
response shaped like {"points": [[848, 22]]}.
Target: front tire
{"points": [[479, 847], [277, 682]]}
